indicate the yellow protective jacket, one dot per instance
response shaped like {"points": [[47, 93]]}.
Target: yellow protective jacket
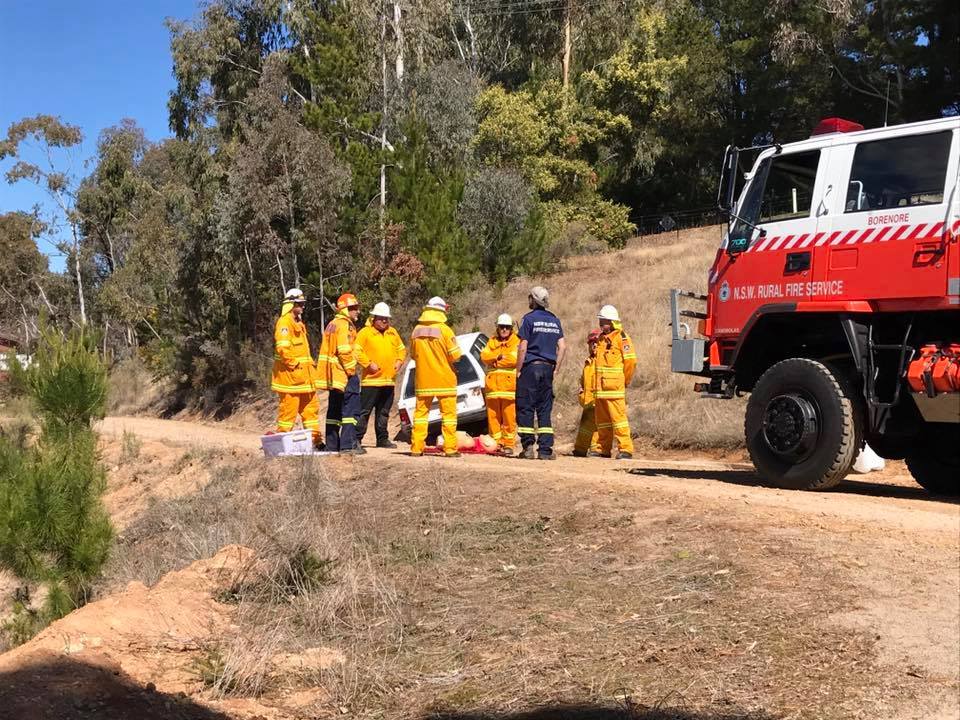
{"points": [[501, 374], [615, 363], [383, 348], [588, 381], [337, 360], [433, 347], [293, 370]]}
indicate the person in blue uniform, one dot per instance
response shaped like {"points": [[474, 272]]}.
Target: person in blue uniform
{"points": [[539, 358]]}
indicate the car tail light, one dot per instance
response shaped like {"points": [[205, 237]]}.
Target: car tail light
{"points": [[404, 417]]}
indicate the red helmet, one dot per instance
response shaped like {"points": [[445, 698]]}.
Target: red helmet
{"points": [[347, 300], [593, 336]]}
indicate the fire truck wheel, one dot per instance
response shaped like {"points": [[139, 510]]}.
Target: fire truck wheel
{"points": [[802, 427], [936, 466]]}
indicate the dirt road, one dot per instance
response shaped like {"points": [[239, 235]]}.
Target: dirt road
{"points": [[888, 500]]}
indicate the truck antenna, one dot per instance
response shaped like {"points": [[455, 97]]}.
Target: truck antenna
{"points": [[886, 106]]}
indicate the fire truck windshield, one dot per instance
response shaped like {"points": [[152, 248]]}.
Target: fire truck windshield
{"points": [[781, 190]]}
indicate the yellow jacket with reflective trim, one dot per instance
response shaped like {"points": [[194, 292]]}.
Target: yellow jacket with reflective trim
{"points": [[293, 370], [383, 348], [433, 347], [615, 363], [500, 357], [588, 379], [337, 360]]}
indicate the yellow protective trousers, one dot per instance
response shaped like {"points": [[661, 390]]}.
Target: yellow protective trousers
{"points": [[421, 415], [588, 440], [502, 420], [612, 422], [305, 405]]}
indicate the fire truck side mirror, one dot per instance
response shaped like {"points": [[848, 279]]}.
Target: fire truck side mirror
{"points": [[728, 178]]}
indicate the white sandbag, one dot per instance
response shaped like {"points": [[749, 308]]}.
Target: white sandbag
{"points": [[868, 461]]}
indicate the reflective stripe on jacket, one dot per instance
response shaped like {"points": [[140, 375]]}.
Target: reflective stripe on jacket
{"points": [[615, 363], [588, 382], [501, 373], [433, 347], [337, 359], [293, 370], [383, 348]]}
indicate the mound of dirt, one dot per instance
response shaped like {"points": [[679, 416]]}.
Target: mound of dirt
{"points": [[149, 632], [150, 636]]}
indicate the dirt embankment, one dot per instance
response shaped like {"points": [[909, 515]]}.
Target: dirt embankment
{"points": [[661, 588]]}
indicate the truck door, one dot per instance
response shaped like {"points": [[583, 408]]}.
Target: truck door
{"points": [[888, 226], [778, 261]]}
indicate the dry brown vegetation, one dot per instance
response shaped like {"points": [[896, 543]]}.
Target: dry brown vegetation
{"points": [[664, 410], [441, 594]]}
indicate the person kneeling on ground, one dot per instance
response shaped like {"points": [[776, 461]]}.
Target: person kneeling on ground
{"points": [[434, 349], [587, 443], [616, 361], [500, 357], [380, 352]]}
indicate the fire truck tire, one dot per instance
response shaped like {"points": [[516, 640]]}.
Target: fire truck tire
{"points": [[802, 427], [936, 464]]}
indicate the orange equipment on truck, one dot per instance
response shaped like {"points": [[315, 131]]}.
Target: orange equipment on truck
{"points": [[834, 300]]}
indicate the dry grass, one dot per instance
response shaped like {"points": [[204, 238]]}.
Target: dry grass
{"points": [[452, 595], [133, 388], [663, 406]]}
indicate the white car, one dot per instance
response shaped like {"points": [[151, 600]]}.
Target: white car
{"points": [[471, 406]]}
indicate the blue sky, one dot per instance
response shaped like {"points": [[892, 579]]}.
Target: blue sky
{"points": [[92, 63]]}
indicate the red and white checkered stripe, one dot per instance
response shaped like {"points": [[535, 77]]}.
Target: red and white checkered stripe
{"points": [[856, 236]]}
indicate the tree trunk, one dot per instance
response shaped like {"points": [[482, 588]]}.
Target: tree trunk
{"points": [[398, 34], [76, 267], [567, 45], [383, 127], [293, 222]]}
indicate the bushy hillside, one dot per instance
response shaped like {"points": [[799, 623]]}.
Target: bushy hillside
{"points": [[663, 406]]}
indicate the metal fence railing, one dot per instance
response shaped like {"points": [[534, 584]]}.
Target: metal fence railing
{"points": [[676, 220]]}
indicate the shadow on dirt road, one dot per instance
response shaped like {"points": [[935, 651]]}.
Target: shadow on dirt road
{"points": [[750, 478], [596, 712], [56, 687]]}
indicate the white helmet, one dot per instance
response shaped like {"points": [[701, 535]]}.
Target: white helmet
{"points": [[609, 312], [381, 309], [505, 320], [437, 303], [294, 295]]}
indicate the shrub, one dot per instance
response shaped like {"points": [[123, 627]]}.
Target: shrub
{"points": [[54, 529]]}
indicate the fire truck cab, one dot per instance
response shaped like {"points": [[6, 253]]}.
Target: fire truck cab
{"points": [[834, 301]]}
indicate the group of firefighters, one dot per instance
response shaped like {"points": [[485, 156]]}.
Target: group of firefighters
{"points": [[358, 369]]}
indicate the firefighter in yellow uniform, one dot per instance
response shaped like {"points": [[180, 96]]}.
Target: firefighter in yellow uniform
{"points": [[380, 352], [500, 357], [587, 442], [337, 373], [434, 349], [615, 363], [293, 369]]}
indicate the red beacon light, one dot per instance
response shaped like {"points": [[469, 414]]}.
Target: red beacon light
{"points": [[828, 126]]}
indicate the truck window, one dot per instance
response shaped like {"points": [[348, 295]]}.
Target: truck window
{"points": [[781, 189], [898, 172], [789, 190]]}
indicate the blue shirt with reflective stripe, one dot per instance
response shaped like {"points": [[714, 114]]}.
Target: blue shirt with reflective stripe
{"points": [[542, 331]]}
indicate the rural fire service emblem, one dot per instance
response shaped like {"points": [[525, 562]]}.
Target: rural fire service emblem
{"points": [[725, 291]]}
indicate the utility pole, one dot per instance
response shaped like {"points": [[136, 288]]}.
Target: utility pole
{"points": [[567, 44]]}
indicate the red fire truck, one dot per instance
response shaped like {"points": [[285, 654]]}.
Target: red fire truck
{"points": [[834, 301]]}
